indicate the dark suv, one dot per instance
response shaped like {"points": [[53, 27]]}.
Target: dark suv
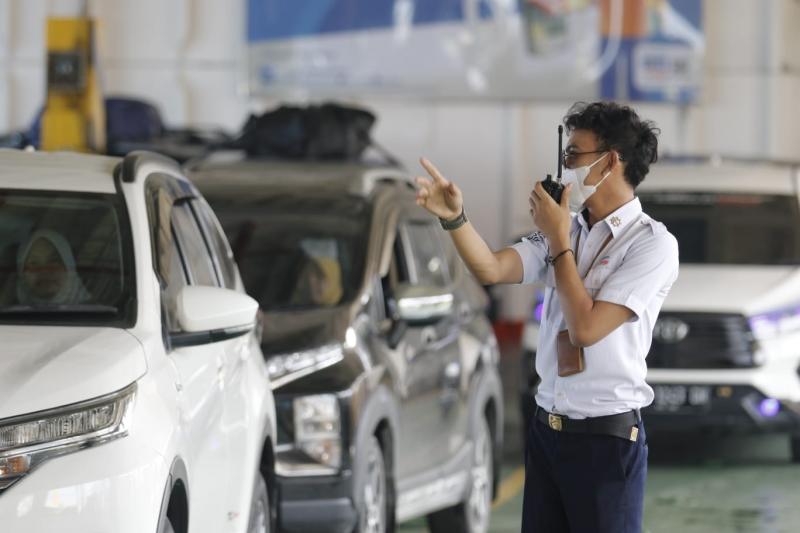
{"points": [[382, 361]]}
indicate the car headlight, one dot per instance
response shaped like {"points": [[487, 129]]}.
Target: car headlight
{"points": [[317, 446], [27, 441], [283, 368]]}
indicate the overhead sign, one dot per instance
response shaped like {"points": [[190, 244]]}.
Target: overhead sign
{"points": [[469, 49]]}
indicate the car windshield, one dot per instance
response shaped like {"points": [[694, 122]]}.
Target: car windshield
{"points": [[65, 258], [297, 252], [732, 229]]}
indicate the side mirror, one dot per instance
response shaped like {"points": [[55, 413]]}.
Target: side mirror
{"points": [[419, 305], [212, 314]]}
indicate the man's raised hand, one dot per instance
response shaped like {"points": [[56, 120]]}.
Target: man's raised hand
{"points": [[438, 195]]}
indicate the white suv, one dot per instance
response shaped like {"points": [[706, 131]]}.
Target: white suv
{"points": [[133, 393], [726, 347]]}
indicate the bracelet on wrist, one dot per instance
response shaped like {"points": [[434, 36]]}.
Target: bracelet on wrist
{"points": [[551, 260], [450, 225]]}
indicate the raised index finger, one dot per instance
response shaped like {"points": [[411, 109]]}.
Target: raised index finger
{"points": [[433, 171]]}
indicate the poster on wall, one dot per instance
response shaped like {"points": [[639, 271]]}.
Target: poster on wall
{"points": [[475, 49]]}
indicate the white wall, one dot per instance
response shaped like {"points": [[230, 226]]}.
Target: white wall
{"points": [[188, 56]]}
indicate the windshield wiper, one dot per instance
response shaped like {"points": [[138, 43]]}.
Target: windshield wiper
{"points": [[93, 309]]}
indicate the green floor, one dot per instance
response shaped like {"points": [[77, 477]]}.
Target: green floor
{"points": [[702, 485]]}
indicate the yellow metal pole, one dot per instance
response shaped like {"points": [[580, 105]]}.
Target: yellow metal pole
{"points": [[74, 116]]}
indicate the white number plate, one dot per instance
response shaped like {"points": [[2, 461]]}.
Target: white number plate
{"points": [[681, 398]]}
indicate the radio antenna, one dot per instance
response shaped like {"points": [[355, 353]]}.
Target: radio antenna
{"points": [[560, 152]]}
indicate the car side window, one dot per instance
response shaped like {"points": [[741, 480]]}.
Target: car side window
{"points": [[196, 256], [217, 242], [427, 264], [175, 278], [398, 274]]}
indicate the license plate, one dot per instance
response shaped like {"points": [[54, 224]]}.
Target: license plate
{"points": [[681, 398]]}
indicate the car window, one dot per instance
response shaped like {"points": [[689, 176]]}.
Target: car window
{"points": [[65, 258], [733, 229], [175, 279], [217, 242], [197, 259], [427, 265], [297, 252]]}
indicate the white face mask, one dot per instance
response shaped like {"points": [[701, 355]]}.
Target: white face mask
{"points": [[580, 191]]}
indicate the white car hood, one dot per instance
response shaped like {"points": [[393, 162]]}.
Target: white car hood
{"points": [[734, 289], [42, 367]]}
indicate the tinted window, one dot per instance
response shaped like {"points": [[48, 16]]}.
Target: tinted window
{"points": [[176, 279], [297, 252], [65, 257], [193, 247], [427, 263], [733, 229], [218, 243]]}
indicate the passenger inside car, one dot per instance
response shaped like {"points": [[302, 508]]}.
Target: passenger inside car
{"points": [[47, 271], [319, 283]]}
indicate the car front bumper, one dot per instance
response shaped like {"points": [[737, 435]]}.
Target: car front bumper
{"points": [[117, 486], [323, 504], [718, 407]]}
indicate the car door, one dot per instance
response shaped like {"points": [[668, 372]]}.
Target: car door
{"points": [[200, 371], [427, 410], [243, 390], [430, 268]]}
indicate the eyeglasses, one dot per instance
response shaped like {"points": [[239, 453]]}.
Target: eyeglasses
{"points": [[570, 156]]}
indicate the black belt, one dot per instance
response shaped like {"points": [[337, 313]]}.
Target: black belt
{"points": [[623, 425]]}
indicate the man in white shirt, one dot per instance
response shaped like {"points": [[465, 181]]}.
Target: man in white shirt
{"points": [[607, 272]]}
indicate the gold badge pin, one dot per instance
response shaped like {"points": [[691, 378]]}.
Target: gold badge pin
{"points": [[615, 221]]}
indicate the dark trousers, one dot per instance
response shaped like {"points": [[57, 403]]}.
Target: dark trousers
{"points": [[580, 483]]}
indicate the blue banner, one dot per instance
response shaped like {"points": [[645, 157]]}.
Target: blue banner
{"points": [[270, 20]]}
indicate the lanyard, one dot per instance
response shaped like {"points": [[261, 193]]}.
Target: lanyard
{"points": [[577, 246]]}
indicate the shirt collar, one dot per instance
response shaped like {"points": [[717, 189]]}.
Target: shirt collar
{"points": [[616, 221]]}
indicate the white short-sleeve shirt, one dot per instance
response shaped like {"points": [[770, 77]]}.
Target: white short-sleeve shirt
{"points": [[635, 269]]}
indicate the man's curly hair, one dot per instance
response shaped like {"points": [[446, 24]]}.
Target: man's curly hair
{"points": [[619, 128]]}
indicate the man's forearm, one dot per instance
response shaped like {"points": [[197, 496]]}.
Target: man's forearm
{"points": [[576, 304], [477, 255]]}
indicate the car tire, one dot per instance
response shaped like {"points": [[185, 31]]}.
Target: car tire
{"points": [[260, 512], [795, 448], [471, 515], [374, 512]]}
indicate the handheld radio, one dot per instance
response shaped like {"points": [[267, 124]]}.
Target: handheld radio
{"points": [[553, 186]]}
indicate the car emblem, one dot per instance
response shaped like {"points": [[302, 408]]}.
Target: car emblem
{"points": [[670, 330], [615, 221]]}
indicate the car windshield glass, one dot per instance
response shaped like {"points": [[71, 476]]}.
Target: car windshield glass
{"points": [[733, 229], [297, 252], [64, 258]]}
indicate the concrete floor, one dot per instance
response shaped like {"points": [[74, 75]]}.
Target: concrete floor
{"points": [[696, 483], [700, 485]]}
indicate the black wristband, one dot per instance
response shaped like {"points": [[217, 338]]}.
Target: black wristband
{"points": [[450, 225], [552, 260]]}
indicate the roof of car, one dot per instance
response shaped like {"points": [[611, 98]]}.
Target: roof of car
{"points": [[265, 176], [722, 175], [63, 171]]}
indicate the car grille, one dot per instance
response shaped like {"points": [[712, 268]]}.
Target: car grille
{"points": [[701, 340]]}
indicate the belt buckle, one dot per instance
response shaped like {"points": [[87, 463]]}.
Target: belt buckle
{"points": [[554, 421]]}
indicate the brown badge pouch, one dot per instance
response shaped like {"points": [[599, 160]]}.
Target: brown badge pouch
{"points": [[570, 357]]}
